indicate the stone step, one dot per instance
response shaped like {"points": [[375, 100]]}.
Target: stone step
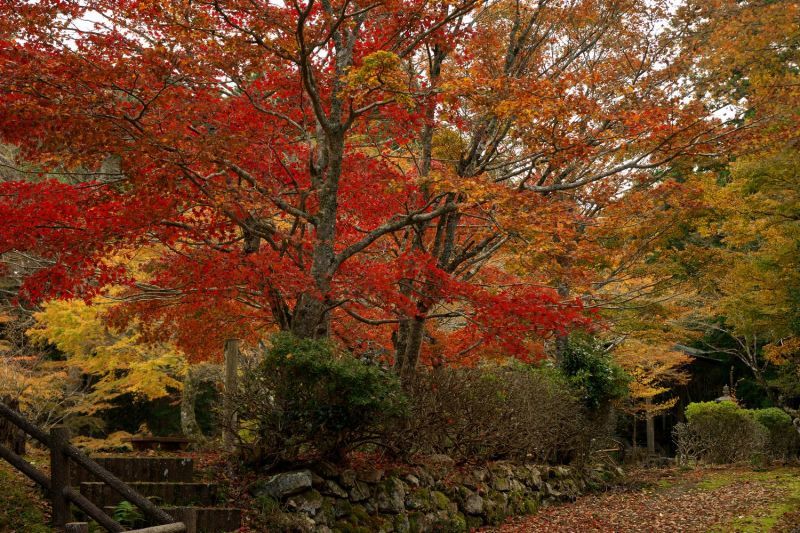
{"points": [[172, 494], [149, 469], [205, 519]]}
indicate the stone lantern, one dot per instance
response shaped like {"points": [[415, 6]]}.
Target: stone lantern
{"points": [[726, 395]]}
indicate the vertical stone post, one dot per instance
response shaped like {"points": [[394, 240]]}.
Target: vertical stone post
{"points": [[231, 383]]}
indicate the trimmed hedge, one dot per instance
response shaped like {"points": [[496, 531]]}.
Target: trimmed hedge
{"points": [[726, 433]]}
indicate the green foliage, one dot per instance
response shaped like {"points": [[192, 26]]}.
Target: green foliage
{"points": [[783, 439], [772, 418], [725, 433], [127, 514], [306, 397], [592, 371]]}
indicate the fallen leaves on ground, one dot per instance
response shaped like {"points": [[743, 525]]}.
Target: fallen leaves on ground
{"points": [[672, 500], [23, 507]]}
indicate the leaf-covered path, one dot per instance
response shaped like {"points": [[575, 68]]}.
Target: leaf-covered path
{"points": [[712, 499], [23, 508]]}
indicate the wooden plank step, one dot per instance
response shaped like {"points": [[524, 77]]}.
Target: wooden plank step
{"points": [[173, 494], [211, 519], [148, 469], [207, 519]]}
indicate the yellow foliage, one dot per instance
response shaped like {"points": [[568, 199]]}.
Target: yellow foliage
{"points": [[380, 71], [654, 371], [119, 361], [115, 442]]}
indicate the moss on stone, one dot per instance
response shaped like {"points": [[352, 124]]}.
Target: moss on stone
{"points": [[450, 523], [440, 500]]}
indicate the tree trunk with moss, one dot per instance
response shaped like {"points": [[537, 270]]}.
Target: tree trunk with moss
{"points": [[196, 375]]}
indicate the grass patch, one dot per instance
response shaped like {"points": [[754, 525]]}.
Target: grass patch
{"points": [[20, 507], [763, 518]]}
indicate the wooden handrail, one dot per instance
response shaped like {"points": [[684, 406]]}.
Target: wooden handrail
{"points": [[57, 485], [25, 467], [92, 510], [22, 423]]}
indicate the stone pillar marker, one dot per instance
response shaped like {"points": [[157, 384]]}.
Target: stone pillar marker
{"points": [[231, 383]]}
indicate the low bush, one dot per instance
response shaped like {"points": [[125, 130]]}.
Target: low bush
{"points": [[305, 398], [721, 433], [783, 440], [514, 412]]}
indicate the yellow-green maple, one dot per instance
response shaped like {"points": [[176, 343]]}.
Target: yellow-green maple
{"points": [[118, 362]]}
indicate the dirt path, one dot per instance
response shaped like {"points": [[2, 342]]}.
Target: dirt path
{"points": [[718, 500]]}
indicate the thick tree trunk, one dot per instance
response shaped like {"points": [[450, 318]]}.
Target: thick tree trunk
{"points": [[562, 339], [311, 319], [407, 355], [196, 375], [651, 430], [311, 316], [411, 330]]}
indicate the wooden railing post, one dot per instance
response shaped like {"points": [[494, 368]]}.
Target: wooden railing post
{"points": [[59, 476], [63, 495]]}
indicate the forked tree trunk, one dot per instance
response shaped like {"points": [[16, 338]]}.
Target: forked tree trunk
{"points": [[196, 375], [310, 319], [407, 354]]}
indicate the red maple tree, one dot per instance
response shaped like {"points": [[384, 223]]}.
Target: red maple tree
{"points": [[367, 170]]}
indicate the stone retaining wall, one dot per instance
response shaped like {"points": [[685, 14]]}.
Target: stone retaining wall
{"points": [[438, 497]]}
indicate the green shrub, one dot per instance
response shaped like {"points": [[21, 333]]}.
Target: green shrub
{"points": [[306, 398], [512, 412], [783, 440], [720, 433], [127, 514], [591, 370]]}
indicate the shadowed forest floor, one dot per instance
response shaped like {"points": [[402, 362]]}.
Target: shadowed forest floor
{"points": [[702, 500], [22, 506]]}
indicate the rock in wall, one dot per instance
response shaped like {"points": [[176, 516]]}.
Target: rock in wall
{"points": [[437, 497]]}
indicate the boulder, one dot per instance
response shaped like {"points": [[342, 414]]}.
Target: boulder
{"points": [[473, 504], [359, 492], [502, 484], [370, 476], [412, 480], [342, 508], [390, 496], [419, 500], [307, 502], [551, 490], [283, 485], [401, 523], [348, 478], [331, 488]]}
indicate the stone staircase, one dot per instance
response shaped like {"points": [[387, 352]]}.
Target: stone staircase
{"points": [[168, 482]]}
